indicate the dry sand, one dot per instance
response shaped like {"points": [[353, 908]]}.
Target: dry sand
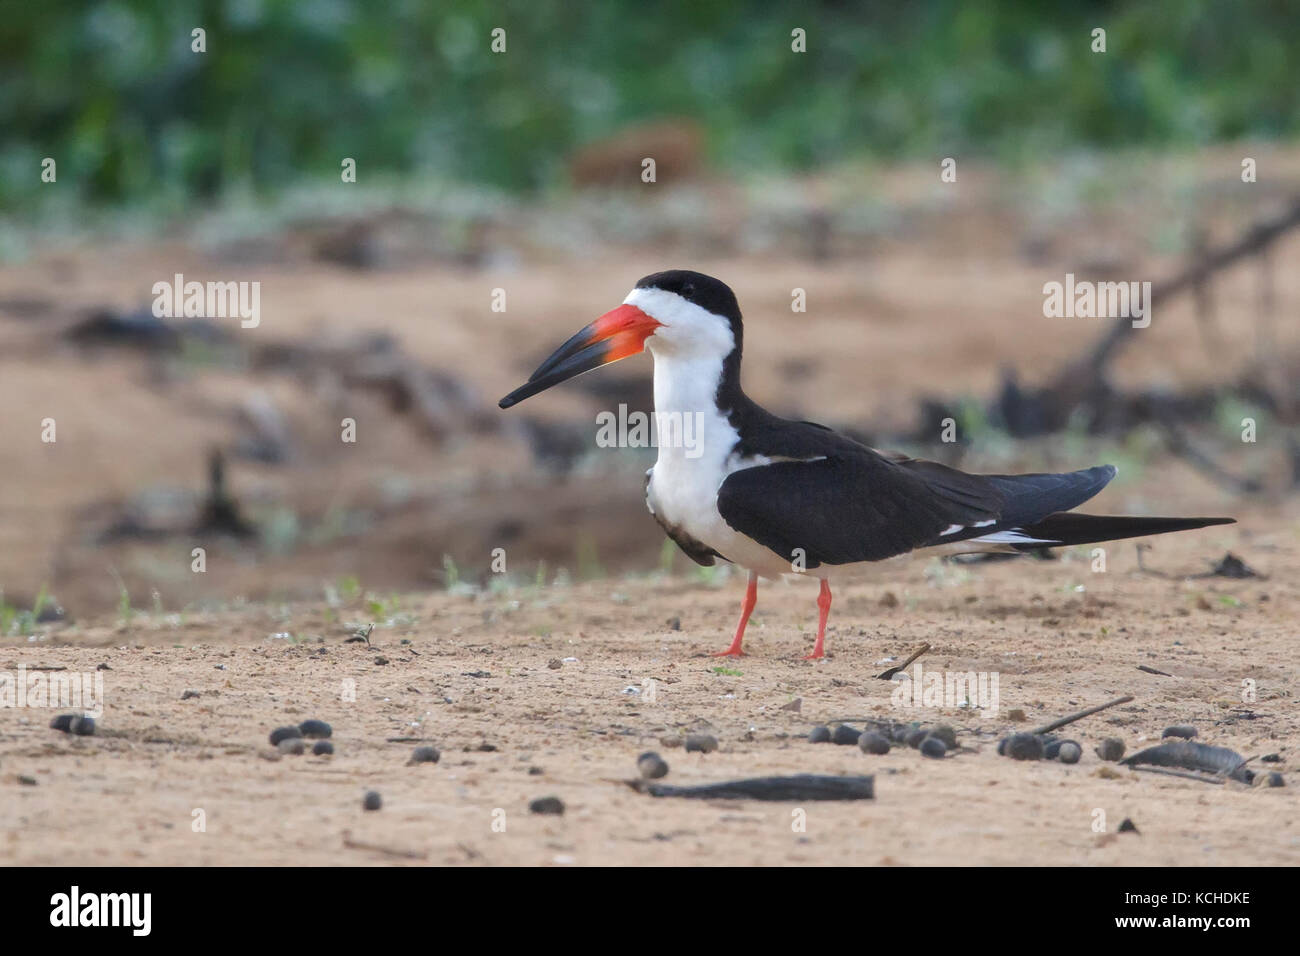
{"points": [[466, 670]]}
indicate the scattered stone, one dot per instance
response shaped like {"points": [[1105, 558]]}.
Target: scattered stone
{"points": [[82, 726], [291, 745], [535, 771], [795, 706], [26, 781], [699, 743], [1108, 773], [316, 729], [322, 748], [1069, 752], [381, 661], [555, 663], [1271, 758], [889, 599], [1128, 826], [424, 755], [819, 735], [898, 733], [1016, 715], [62, 722], [845, 736], [915, 736], [1024, 747], [873, 743], [674, 624], [547, 805], [1110, 749], [1275, 779], [372, 800], [283, 733], [103, 667], [1185, 731], [946, 734], [189, 695], [651, 766], [933, 747]]}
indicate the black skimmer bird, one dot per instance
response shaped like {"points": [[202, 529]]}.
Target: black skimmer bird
{"points": [[777, 496]]}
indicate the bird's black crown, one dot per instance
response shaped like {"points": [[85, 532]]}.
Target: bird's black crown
{"points": [[704, 291]]}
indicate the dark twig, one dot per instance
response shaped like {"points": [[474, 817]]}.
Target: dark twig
{"points": [[1048, 728]]}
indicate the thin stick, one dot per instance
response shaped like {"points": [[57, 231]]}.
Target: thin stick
{"points": [[1152, 670], [889, 674], [1048, 728], [379, 848]]}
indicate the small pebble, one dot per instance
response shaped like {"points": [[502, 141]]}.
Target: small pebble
{"points": [[291, 745], [933, 747], [1069, 752], [62, 722], [845, 736], [651, 766], [424, 755], [873, 743], [82, 726], [1185, 731], [535, 771], [189, 695], [1271, 758], [1112, 748], [946, 734], [1275, 780], [372, 800], [1024, 747], [898, 733], [915, 736], [322, 748], [283, 733], [550, 805], [1128, 826], [315, 729], [699, 743], [819, 735]]}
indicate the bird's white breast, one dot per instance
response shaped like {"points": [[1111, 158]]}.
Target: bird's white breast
{"points": [[684, 482]]}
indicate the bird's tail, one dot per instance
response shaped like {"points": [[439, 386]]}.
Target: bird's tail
{"points": [[1064, 528]]}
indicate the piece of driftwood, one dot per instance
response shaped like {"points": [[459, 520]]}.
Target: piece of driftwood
{"points": [[1190, 755], [801, 786], [1078, 715]]}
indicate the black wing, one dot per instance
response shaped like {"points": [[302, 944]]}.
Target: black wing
{"points": [[854, 504]]}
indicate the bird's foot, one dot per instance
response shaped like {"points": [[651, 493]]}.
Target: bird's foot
{"points": [[729, 652], [815, 656]]}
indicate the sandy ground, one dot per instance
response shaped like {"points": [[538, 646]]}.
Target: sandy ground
{"points": [[550, 678]]}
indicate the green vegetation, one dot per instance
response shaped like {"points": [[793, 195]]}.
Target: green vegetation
{"points": [[287, 88]]}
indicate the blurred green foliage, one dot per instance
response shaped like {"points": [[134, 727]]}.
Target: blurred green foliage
{"points": [[287, 88]]}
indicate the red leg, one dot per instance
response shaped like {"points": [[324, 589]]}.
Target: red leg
{"points": [[751, 598], [824, 611]]}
